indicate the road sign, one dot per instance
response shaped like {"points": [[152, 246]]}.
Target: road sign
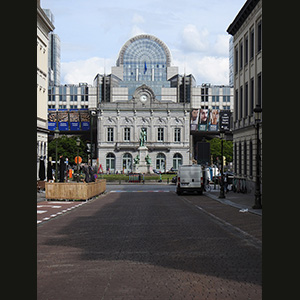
{"points": [[79, 159]]}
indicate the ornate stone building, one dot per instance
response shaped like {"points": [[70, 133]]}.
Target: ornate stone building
{"points": [[143, 91]]}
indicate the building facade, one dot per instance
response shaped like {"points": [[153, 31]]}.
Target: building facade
{"points": [[53, 54], [44, 26], [143, 92], [246, 30]]}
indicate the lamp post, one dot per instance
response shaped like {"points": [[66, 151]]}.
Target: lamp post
{"points": [[222, 194], [78, 144], [93, 113], [56, 135], [257, 110]]}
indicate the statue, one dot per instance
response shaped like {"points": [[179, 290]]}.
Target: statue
{"points": [[148, 159], [143, 135], [137, 160]]}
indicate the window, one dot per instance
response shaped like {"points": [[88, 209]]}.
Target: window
{"points": [[252, 44], [240, 158], [127, 134], [259, 86], [177, 134], [246, 49], [245, 158], [110, 134], [110, 162], [241, 55], [204, 94], [251, 95], [236, 61], [177, 161], [127, 162], [259, 37], [160, 162], [250, 159], [246, 99], [160, 136], [241, 102], [236, 100]]}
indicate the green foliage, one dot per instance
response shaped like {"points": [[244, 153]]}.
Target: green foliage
{"points": [[67, 147], [215, 149]]}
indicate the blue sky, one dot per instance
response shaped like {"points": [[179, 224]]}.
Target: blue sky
{"points": [[92, 33]]}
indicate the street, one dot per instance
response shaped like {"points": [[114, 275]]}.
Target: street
{"points": [[148, 243]]}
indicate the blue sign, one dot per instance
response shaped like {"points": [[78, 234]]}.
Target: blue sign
{"points": [[51, 125], [63, 126], [85, 125], [74, 126]]}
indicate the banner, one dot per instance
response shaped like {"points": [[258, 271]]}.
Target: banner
{"points": [[85, 120], [52, 118], [214, 120], [63, 120], [203, 120], [74, 120], [225, 116], [194, 119]]}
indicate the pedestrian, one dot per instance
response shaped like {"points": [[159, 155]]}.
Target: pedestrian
{"points": [[62, 168], [226, 183]]}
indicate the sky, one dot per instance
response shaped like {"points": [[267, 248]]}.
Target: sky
{"points": [[92, 33]]}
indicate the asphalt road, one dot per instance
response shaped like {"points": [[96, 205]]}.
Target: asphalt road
{"points": [[149, 245]]}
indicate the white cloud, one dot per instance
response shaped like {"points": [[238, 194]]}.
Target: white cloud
{"points": [[85, 70], [136, 30], [221, 46], [136, 19], [194, 40], [207, 69]]}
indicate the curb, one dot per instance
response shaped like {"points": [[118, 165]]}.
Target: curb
{"points": [[236, 205]]}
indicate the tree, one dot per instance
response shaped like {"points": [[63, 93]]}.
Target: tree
{"points": [[67, 147], [215, 149]]}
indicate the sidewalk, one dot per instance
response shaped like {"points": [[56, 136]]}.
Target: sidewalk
{"points": [[238, 200]]}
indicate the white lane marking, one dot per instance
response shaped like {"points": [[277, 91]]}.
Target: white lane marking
{"points": [[41, 211]]}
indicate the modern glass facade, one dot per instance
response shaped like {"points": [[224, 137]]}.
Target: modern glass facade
{"points": [[145, 60]]}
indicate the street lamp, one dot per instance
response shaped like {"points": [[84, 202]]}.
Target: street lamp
{"points": [[93, 113], [78, 144], [56, 135], [257, 110], [222, 194]]}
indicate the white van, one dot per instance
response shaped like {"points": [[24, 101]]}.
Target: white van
{"points": [[189, 179]]}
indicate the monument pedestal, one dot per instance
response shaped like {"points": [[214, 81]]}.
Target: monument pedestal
{"points": [[142, 166]]}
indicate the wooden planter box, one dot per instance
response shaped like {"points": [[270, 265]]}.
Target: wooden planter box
{"points": [[74, 190]]}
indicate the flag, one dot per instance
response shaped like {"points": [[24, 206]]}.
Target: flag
{"points": [[145, 68]]}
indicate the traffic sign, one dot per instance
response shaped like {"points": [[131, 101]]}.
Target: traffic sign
{"points": [[79, 159]]}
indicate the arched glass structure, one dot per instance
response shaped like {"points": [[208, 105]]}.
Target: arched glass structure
{"points": [[145, 59]]}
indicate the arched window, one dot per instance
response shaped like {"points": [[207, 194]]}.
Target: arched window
{"points": [[177, 161], [127, 163], [161, 162], [110, 162]]}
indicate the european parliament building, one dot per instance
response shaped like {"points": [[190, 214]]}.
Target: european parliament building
{"points": [[143, 91]]}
